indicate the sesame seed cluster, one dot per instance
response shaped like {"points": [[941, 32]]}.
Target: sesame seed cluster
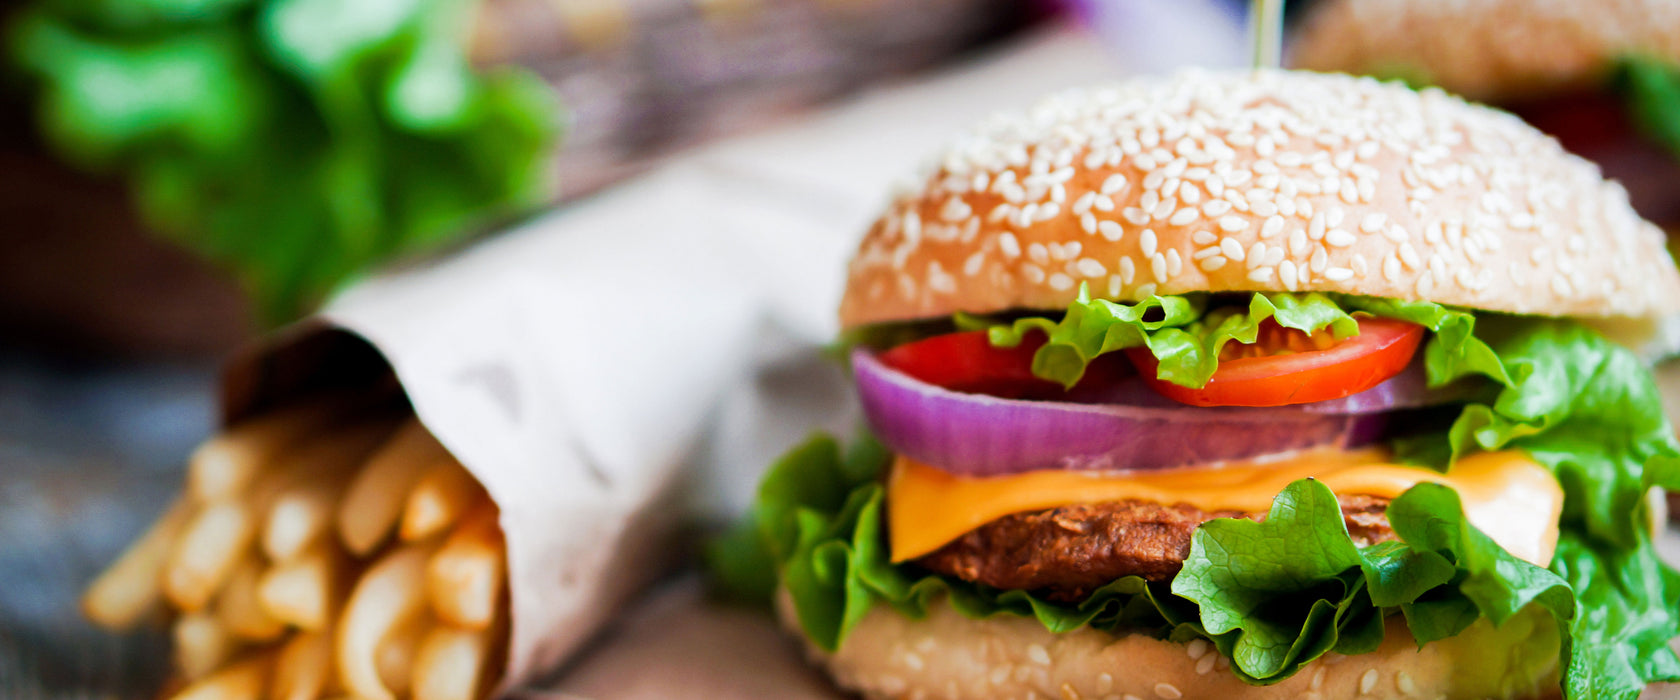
{"points": [[1488, 49], [1260, 181]]}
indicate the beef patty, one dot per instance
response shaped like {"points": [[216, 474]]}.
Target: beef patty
{"points": [[1066, 553]]}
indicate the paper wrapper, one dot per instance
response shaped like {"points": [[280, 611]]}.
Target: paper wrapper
{"points": [[592, 367]]}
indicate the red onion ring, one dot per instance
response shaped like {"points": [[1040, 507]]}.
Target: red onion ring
{"points": [[978, 435]]}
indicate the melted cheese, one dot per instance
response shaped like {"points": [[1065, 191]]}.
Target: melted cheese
{"points": [[1505, 494]]}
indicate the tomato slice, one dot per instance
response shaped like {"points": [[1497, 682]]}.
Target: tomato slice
{"points": [[1285, 368], [968, 362]]}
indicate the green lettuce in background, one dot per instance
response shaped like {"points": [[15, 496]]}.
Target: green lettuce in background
{"points": [[1574, 401], [1652, 87], [296, 142]]}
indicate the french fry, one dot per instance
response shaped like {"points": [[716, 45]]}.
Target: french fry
{"points": [[224, 465], [206, 552], [464, 578], [201, 644], [390, 593], [238, 606], [243, 680], [303, 508], [440, 497], [132, 586], [376, 496], [306, 591], [303, 667], [396, 655], [451, 662]]}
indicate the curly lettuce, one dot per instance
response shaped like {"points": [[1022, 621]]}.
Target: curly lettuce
{"points": [[296, 142], [1274, 595]]}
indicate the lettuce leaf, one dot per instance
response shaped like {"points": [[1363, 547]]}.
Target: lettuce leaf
{"points": [[295, 142], [1652, 87], [1186, 335], [1273, 595]]}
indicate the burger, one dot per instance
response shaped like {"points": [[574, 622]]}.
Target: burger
{"points": [[1602, 76], [1238, 385]]}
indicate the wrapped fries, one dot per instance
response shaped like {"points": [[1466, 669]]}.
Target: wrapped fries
{"points": [[316, 553]]}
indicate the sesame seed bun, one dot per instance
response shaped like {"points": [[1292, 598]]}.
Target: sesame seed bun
{"points": [[947, 655], [1488, 49], [1260, 181]]}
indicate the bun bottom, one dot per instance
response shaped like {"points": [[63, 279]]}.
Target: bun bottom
{"points": [[947, 655]]}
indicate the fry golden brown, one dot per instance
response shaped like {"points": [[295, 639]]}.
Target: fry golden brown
{"points": [[306, 591], [210, 544], [451, 663], [132, 586], [238, 607], [464, 578], [201, 644], [224, 465], [442, 494], [390, 593], [242, 680], [375, 498], [303, 668]]}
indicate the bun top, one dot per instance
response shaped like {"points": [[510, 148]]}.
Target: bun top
{"points": [[1488, 49], [1260, 181]]}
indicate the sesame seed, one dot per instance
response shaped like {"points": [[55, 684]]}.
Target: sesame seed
{"points": [[1203, 237], [972, 265], [912, 661], [1088, 223], [1404, 682], [1212, 263], [1286, 275], [1216, 207], [1339, 238], [1158, 267], [1338, 274], [1147, 242], [1175, 264], [1128, 270], [1262, 275], [1061, 282], [1135, 216], [1038, 654], [1068, 692], [1196, 648], [1409, 256], [1114, 183], [1037, 253], [1205, 665], [1185, 216], [1256, 255], [1391, 268], [1233, 224], [1009, 245], [1319, 261], [1167, 691], [1298, 243], [1103, 203], [1368, 681], [1111, 230], [1317, 679]]}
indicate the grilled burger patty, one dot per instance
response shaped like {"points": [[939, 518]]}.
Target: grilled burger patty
{"points": [[1066, 553]]}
